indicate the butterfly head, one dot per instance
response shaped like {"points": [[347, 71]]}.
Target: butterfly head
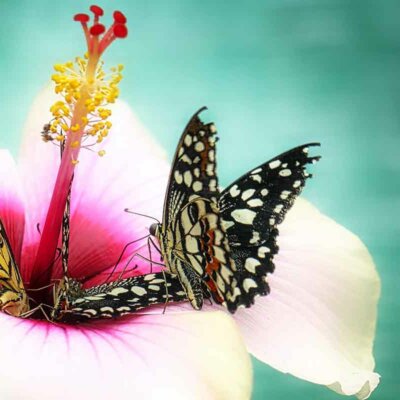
{"points": [[155, 229]]}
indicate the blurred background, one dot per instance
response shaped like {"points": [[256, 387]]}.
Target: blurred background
{"points": [[274, 74]]}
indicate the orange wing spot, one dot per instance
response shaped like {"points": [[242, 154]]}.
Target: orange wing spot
{"points": [[213, 289]]}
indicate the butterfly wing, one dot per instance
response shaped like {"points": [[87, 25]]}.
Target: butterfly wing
{"points": [[13, 297], [251, 208], [188, 207], [122, 297]]}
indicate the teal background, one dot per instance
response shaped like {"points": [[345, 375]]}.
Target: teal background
{"points": [[274, 74]]}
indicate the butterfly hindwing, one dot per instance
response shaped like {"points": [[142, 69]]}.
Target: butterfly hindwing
{"points": [[251, 208]]}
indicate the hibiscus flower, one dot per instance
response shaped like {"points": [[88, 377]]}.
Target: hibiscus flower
{"points": [[318, 323]]}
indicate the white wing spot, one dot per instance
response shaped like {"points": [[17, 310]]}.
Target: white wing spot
{"points": [[227, 224], [185, 158], [285, 194], [249, 283], [256, 178], [213, 129], [305, 150], [188, 140], [296, 184], [187, 177], [196, 172], [211, 155], [272, 221], [247, 194], [264, 192], [117, 291], [154, 287], [107, 309], [256, 171], [123, 308], [274, 164], [197, 186], [285, 172], [234, 191], [199, 146], [149, 277], [278, 208], [262, 251], [244, 216], [251, 264], [255, 238], [255, 203], [140, 291], [178, 177]]}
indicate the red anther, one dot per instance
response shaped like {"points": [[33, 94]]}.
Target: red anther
{"points": [[119, 17], [81, 18], [97, 29], [96, 10], [120, 31]]}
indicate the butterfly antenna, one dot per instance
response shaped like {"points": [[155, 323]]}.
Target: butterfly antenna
{"points": [[127, 210], [122, 254]]}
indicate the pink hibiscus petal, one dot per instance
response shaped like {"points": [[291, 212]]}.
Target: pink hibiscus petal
{"points": [[11, 203], [181, 356], [132, 174], [319, 321]]}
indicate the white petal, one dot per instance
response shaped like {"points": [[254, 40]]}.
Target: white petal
{"points": [[194, 355], [11, 203], [319, 321]]}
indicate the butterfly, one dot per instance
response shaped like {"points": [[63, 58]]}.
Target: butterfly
{"points": [[115, 299], [13, 297], [222, 244], [191, 237], [74, 304]]}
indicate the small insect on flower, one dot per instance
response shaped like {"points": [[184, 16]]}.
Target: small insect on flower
{"points": [[46, 133], [224, 243]]}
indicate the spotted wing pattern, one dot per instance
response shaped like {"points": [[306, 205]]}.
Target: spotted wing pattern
{"points": [[118, 298], [190, 211], [13, 298], [251, 209]]}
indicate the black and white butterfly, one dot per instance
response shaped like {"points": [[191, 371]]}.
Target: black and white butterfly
{"points": [[223, 243], [115, 299], [74, 304], [191, 238]]}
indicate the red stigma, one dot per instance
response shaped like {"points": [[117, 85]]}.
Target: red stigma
{"points": [[119, 17], [96, 36], [97, 29], [96, 10], [120, 31], [81, 18]]}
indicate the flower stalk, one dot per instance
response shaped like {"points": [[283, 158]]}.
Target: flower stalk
{"points": [[78, 118]]}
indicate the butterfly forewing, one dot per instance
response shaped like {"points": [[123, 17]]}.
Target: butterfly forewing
{"points": [[190, 208], [252, 208]]}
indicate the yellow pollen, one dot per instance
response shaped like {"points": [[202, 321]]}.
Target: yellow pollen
{"points": [[86, 92], [101, 153]]}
